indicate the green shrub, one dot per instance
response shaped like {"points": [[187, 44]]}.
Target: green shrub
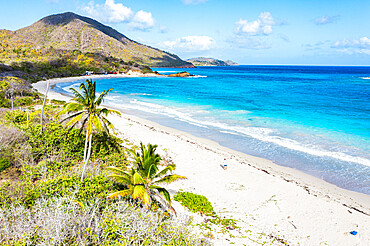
{"points": [[55, 140], [24, 101], [195, 203], [4, 164], [70, 142], [225, 223], [16, 116], [59, 102], [105, 143], [146, 70], [4, 103], [28, 192], [96, 186]]}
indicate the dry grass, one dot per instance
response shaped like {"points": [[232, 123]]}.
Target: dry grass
{"points": [[62, 221]]}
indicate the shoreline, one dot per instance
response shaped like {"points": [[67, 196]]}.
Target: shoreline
{"points": [[259, 192]]}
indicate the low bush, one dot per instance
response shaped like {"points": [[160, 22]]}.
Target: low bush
{"points": [[59, 102], [4, 102], [28, 192], [24, 101], [195, 203], [4, 164], [16, 116], [55, 140]]}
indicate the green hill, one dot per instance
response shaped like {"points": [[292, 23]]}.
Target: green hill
{"points": [[71, 32]]}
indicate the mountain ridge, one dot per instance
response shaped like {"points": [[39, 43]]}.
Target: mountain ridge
{"points": [[70, 31]]}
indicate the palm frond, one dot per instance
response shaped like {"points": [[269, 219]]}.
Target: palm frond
{"points": [[137, 179], [120, 193], [138, 192], [70, 107], [163, 192], [169, 179], [101, 96], [106, 123], [167, 169], [116, 170], [119, 173], [121, 178], [75, 119], [77, 96], [97, 123], [71, 116], [83, 124]]}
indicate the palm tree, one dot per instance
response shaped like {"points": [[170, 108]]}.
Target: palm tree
{"points": [[85, 110], [143, 180]]}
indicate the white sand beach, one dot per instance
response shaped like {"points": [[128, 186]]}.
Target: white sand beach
{"points": [[270, 201]]}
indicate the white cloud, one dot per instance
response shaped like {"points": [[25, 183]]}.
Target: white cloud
{"points": [[362, 43], [261, 26], [191, 43], [142, 20], [194, 1], [360, 46], [112, 12], [322, 20], [109, 11]]}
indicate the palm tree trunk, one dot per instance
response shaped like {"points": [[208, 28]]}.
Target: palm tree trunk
{"points": [[86, 141], [43, 105], [12, 102], [87, 158]]}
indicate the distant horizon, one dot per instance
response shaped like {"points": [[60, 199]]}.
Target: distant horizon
{"points": [[307, 65], [330, 33]]}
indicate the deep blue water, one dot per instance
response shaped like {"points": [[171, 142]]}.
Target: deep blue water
{"points": [[315, 119]]}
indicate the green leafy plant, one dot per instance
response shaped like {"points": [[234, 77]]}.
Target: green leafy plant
{"points": [[225, 223], [195, 203], [55, 140], [16, 116], [4, 164]]}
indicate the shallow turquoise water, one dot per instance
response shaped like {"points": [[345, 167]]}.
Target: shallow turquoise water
{"points": [[315, 119]]}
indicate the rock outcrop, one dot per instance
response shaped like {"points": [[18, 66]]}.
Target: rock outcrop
{"points": [[180, 74]]}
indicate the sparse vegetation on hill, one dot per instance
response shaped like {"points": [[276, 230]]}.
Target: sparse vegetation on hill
{"points": [[68, 44], [69, 32], [33, 63]]}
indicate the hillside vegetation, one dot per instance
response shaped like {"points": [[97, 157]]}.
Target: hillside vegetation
{"points": [[72, 32], [67, 44]]}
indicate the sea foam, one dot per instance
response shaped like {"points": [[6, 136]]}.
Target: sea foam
{"points": [[260, 133]]}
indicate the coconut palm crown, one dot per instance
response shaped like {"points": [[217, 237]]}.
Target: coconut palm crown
{"points": [[143, 180]]}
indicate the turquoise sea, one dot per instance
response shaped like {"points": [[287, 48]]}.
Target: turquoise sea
{"points": [[314, 119]]}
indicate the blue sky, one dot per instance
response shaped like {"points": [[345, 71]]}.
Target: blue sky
{"points": [[319, 32]]}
